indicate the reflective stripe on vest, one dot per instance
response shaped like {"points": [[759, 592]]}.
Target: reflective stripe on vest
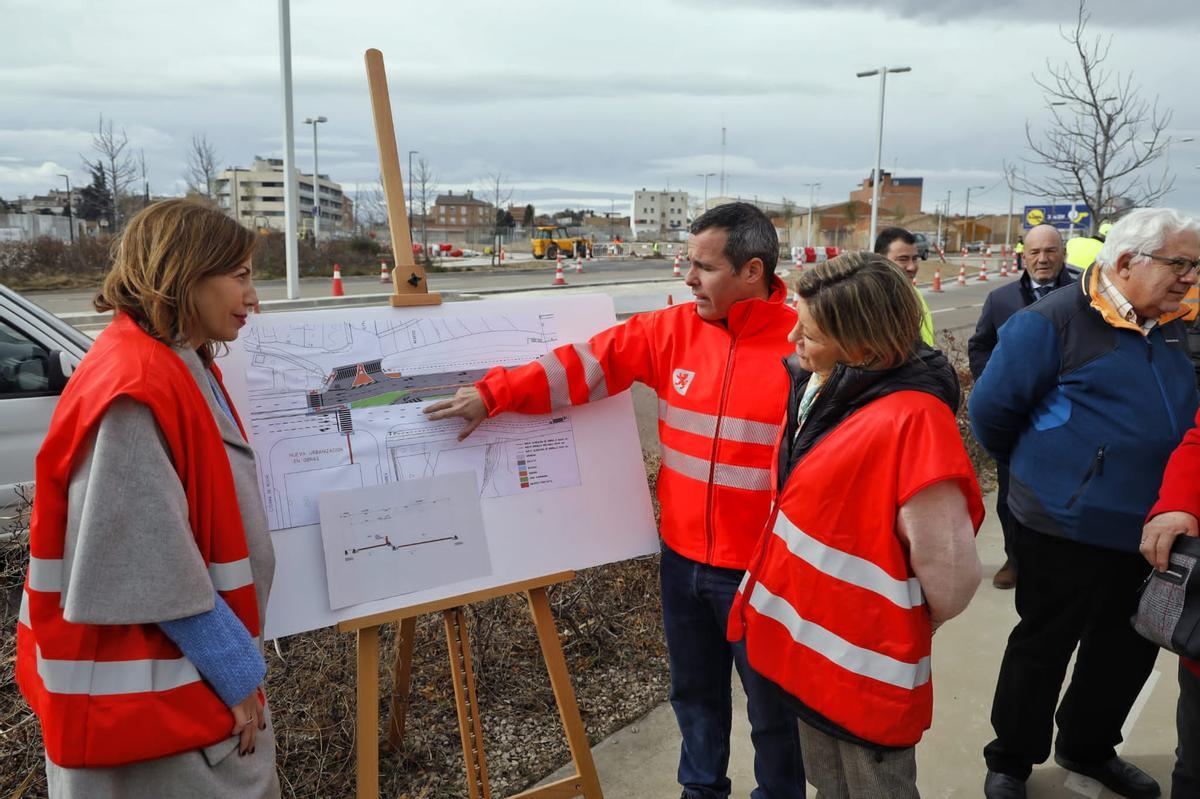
{"points": [[848, 568], [743, 431], [556, 377], [560, 387], [856, 659], [111, 677], [723, 474], [45, 575]]}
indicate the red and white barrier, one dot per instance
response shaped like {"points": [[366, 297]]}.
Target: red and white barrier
{"points": [[814, 255]]}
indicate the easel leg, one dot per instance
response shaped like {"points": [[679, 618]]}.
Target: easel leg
{"points": [[587, 782], [468, 711], [367, 733], [401, 682]]}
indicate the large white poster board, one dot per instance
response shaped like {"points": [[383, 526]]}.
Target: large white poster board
{"points": [[331, 401]]}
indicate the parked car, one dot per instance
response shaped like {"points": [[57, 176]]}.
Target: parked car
{"points": [[976, 246], [923, 245], [38, 352]]}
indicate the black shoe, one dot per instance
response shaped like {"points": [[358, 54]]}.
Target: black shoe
{"points": [[1119, 776], [1003, 786]]}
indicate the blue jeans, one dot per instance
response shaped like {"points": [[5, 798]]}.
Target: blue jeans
{"points": [[696, 599]]}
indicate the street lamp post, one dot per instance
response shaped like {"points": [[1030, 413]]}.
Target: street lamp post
{"points": [[967, 209], [409, 177], [70, 213], [882, 72], [1008, 222], [941, 242], [706, 176], [813, 188], [234, 190], [316, 180]]}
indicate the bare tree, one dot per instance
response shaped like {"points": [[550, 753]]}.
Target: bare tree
{"points": [[424, 188], [202, 161], [1102, 136], [788, 213], [498, 191], [145, 177], [371, 206], [117, 161]]}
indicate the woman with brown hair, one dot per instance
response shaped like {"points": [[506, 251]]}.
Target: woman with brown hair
{"points": [[150, 562], [870, 544]]}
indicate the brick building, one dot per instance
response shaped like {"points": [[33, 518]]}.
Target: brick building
{"points": [[897, 196]]}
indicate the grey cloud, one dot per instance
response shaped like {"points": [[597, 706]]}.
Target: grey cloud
{"points": [[1154, 14]]}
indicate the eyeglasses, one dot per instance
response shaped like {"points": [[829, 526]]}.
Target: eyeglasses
{"points": [[1180, 266]]}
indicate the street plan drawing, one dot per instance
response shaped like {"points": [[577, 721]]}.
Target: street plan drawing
{"points": [[337, 406], [387, 540]]}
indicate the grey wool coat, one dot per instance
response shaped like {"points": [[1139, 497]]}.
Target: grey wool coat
{"points": [[130, 558]]}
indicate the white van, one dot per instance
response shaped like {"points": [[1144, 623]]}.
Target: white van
{"points": [[38, 352]]}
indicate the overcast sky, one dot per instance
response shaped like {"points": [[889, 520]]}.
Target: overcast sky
{"points": [[580, 103]]}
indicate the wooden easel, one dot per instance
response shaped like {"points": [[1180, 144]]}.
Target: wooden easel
{"points": [[408, 279], [409, 285], [584, 782]]}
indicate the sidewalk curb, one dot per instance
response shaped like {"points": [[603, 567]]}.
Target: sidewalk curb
{"points": [[86, 318]]}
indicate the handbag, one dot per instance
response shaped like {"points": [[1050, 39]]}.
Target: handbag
{"points": [[1169, 601]]}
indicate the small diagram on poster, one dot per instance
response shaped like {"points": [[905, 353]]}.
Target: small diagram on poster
{"points": [[396, 538]]}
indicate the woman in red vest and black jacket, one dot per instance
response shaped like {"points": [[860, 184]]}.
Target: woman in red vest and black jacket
{"points": [[150, 561], [870, 544]]}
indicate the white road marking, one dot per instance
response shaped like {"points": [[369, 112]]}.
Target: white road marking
{"points": [[959, 308], [1086, 786]]}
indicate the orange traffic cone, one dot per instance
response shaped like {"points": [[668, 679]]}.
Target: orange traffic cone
{"points": [[964, 252], [937, 281], [670, 300], [962, 274], [589, 255], [501, 253], [559, 280], [1015, 272], [578, 264], [982, 272], [1003, 267], [675, 270], [384, 277], [338, 291]]}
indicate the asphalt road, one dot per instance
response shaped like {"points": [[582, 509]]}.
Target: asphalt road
{"points": [[635, 285]]}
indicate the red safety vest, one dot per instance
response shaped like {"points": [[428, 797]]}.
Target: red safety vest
{"points": [[721, 396], [108, 695], [830, 608]]}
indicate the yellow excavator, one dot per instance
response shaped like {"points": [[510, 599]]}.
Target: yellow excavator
{"points": [[548, 241]]}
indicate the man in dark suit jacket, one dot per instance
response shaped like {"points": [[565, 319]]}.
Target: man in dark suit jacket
{"points": [[1044, 272]]}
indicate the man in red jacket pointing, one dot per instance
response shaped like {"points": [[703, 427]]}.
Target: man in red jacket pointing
{"points": [[716, 367]]}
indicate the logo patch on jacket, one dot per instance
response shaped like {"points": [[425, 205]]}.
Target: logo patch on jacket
{"points": [[682, 380]]}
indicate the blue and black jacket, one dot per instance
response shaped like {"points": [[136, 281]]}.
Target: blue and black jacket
{"points": [[1085, 413]]}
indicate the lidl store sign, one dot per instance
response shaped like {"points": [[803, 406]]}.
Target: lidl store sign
{"points": [[1063, 217]]}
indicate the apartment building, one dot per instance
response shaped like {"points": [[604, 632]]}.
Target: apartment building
{"points": [[659, 215], [254, 197]]}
